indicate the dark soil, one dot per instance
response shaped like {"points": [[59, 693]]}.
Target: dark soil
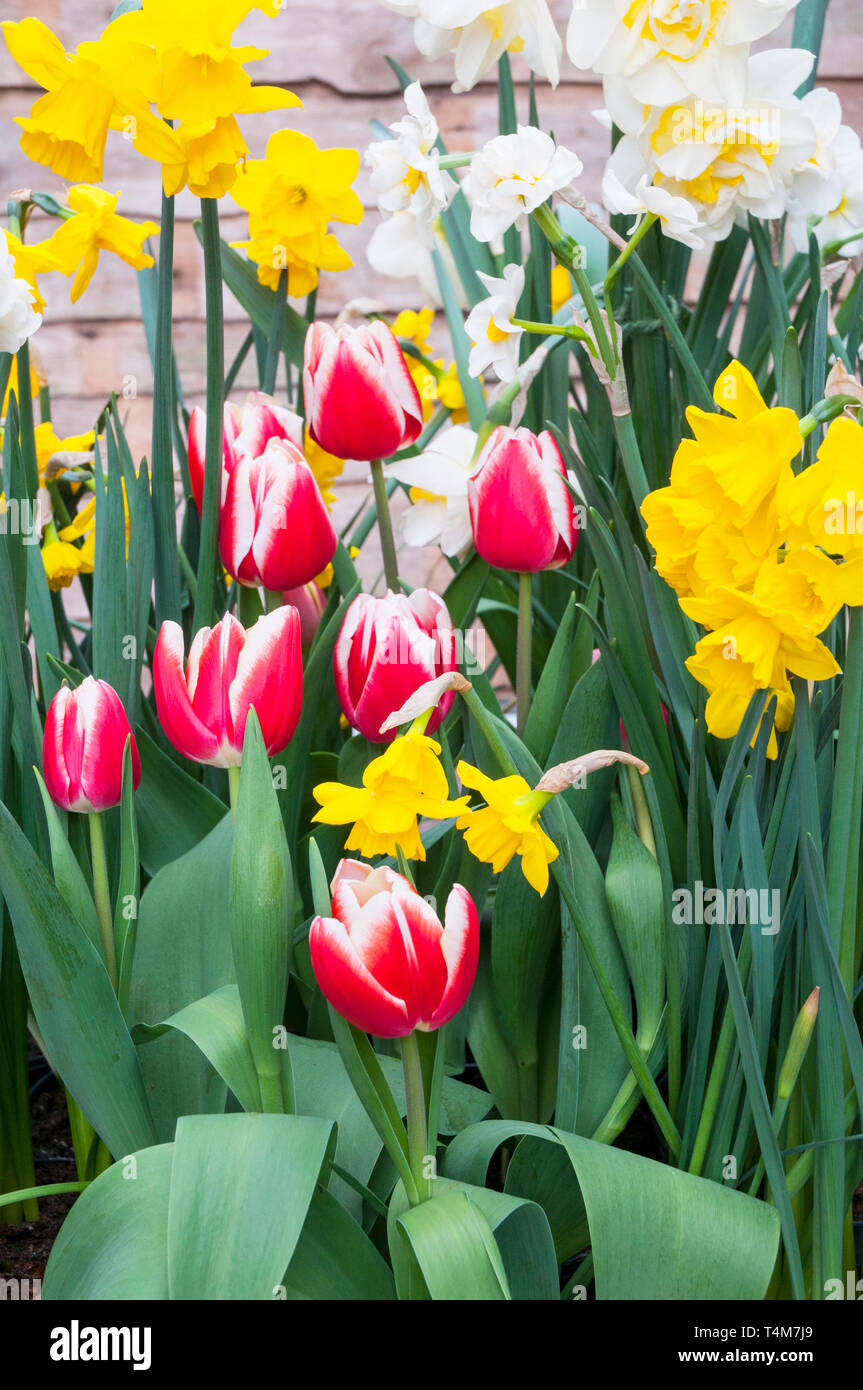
{"points": [[24, 1248]]}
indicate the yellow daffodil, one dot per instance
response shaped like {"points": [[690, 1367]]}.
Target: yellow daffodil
{"points": [[97, 227], [63, 561], [823, 505], [98, 87], [406, 782], [507, 825], [30, 261], [48, 444], [291, 195], [198, 80]]}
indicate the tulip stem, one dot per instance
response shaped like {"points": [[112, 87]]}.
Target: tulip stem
{"points": [[385, 526], [209, 543], [102, 894], [418, 1138], [272, 600], [523, 651], [234, 788]]}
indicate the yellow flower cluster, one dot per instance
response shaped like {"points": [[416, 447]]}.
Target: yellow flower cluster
{"points": [[756, 553], [176, 55], [291, 195], [435, 383]]}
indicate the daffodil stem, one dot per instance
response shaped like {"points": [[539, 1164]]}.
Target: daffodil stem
{"points": [[277, 333], [167, 578], [523, 650], [234, 788], [385, 526], [418, 1138], [205, 594], [101, 893], [641, 230]]}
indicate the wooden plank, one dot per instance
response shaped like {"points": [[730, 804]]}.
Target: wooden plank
{"points": [[343, 42]]}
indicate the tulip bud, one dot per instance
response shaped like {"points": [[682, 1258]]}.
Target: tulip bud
{"points": [[521, 512], [203, 709], [360, 399], [386, 649], [275, 529], [384, 961], [82, 750]]}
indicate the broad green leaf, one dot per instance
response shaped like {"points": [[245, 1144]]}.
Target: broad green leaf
{"points": [[75, 1007], [241, 1186]]}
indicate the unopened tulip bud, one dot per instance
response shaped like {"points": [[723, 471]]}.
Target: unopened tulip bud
{"points": [[86, 730], [360, 399], [521, 512]]}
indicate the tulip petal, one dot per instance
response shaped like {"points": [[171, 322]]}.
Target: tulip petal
{"points": [[54, 764], [269, 678], [460, 947], [182, 725], [349, 986]]}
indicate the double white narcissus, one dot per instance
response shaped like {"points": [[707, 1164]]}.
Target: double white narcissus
{"points": [[384, 960], [360, 399], [667, 50], [18, 318], [479, 34], [512, 175], [386, 649], [84, 741], [203, 707], [521, 511], [405, 172]]}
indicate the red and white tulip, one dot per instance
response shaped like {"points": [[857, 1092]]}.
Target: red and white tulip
{"points": [[83, 745], [384, 961], [521, 511], [386, 649], [360, 399], [203, 706], [275, 529]]}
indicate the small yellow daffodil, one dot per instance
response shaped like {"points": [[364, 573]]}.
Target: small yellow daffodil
{"points": [[96, 227], [507, 825]]}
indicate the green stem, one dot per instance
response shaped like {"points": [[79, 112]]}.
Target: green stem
{"points": [[523, 651], [51, 1189], [101, 893], [249, 606], [385, 526], [559, 330], [277, 333], [641, 230], [416, 1115], [272, 600], [167, 578], [272, 1100], [234, 788], [204, 597]]}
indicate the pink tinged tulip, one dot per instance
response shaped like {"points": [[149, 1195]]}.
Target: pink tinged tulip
{"points": [[246, 431], [82, 750], [384, 961], [361, 402], [203, 708], [275, 529], [386, 649], [310, 601], [521, 511]]}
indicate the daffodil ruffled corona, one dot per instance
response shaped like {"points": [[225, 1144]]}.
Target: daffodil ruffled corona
{"points": [[291, 195], [406, 782], [762, 557], [507, 825]]}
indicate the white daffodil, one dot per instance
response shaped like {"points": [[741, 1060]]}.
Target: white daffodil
{"points": [[490, 326], [668, 50], [405, 172], [512, 175], [397, 249], [479, 34], [18, 318], [827, 192], [677, 217], [727, 161], [438, 481]]}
